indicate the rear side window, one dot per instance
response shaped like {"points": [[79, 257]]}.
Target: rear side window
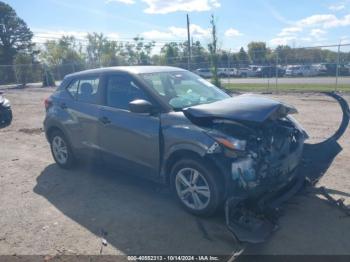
{"points": [[121, 90], [88, 89], [85, 89], [73, 88]]}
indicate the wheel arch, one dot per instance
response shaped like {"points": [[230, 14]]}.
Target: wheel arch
{"points": [[50, 130], [192, 154]]}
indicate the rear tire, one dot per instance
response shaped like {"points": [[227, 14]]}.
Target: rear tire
{"points": [[61, 150], [196, 186]]}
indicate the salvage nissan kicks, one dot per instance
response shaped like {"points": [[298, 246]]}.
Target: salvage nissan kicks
{"points": [[170, 125]]}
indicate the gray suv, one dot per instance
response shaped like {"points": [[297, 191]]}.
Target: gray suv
{"points": [[171, 126]]}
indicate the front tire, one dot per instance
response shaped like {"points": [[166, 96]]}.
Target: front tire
{"points": [[61, 150], [197, 186]]}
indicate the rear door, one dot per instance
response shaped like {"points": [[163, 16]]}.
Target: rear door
{"points": [[84, 111], [129, 139]]}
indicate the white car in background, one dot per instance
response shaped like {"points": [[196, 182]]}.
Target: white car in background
{"points": [[251, 71], [302, 70], [204, 72], [227, 72]]}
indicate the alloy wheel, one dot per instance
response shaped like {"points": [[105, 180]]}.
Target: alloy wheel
{"points": [[60, 150], [192, 188]]}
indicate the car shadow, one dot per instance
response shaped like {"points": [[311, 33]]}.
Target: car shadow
{"points": [[134, 215], [142, 217]]}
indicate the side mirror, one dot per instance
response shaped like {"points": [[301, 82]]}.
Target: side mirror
{"points": [[141, 106]]}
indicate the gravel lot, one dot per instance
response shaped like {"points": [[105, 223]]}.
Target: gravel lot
{"points": [[47, 210]]}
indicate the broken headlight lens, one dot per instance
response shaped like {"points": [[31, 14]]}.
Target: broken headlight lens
{"points": [[232, 143]]}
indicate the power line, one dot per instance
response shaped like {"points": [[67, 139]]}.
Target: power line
{"points": [[121, 39]]}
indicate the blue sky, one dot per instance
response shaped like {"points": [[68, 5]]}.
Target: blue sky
{"points": [[297, 22]]}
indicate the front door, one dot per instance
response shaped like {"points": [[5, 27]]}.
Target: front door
{"points": [[129, 139]]}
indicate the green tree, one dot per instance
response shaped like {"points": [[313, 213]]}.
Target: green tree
{"points": [[142, 51], [15, 36], [64, 54], [95, 48], [104, 52], [170, 52], [214, 52], [200, 56], [258, 52], [243, 58], [111, 54], [285, 54], [23, 68], [48, 78]]}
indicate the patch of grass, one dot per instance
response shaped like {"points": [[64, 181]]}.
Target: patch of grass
{"points": [[285, 87]]}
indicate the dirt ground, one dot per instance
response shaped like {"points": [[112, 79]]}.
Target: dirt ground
{"points": [[47, 210]]}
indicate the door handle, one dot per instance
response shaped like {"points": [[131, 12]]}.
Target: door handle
{"points": [[104, 120], [63, 105]]}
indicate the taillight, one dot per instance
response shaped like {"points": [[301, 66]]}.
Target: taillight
{"points": [[48, 103]]}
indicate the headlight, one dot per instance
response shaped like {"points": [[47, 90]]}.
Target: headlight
{"points": [[298, 126], [232, 143]]}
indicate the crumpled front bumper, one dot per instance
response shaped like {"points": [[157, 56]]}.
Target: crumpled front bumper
{"points": [[247, 182]]}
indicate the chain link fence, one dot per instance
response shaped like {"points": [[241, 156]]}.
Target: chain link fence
{"points": [[284, 69]]}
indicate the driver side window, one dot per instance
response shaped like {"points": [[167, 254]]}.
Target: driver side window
{"points": [[121, 90]]}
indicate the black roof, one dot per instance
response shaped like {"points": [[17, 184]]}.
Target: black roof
{"points": [[128, 69]]}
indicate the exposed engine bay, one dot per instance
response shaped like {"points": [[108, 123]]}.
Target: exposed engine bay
{"points": [[272, 152]]}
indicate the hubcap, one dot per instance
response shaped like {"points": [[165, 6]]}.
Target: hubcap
{"points": [[59, 149], [192, 188]]}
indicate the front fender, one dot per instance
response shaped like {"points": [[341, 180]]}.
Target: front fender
{"points": [[179, 134]]}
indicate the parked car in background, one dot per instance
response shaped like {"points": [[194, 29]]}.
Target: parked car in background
{"points": [[5, 111], [302, 70], [227, 72], [330, 69], [269, 71], [204, 72], [247, 72], [171, 126]]}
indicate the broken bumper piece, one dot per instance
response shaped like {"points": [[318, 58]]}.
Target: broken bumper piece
{"points": [[254, 220]]}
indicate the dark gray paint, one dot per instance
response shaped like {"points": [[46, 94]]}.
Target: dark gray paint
{"points": [[242, 108]]}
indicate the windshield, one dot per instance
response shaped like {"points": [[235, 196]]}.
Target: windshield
{"points": [[183, 89]]}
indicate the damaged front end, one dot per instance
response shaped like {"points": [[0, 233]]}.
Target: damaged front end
{"points": [[255, 219], [267, 165], [266, 156], [271, 155]]}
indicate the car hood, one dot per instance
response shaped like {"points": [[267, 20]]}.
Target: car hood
{"points": [[250, 108]]}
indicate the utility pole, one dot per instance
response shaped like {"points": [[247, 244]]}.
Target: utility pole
{"points": [[337, 69], [229, 73], [188, 44], [276, 72]]}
